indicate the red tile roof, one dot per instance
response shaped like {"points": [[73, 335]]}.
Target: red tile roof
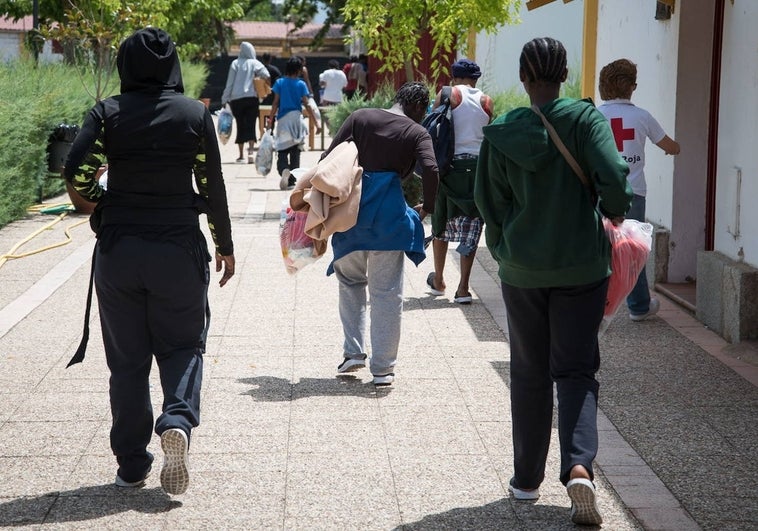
{"points": [[22, 24], [278, 30]]}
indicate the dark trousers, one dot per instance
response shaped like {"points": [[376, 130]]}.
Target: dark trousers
{"points": [[288, 158], [638, 301], [553, 338], [152, 300], [245, 112]]}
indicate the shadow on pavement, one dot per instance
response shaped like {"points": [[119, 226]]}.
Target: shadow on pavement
{"points": [[273, 389], [85, 503], [502, 368], [496, 516]]}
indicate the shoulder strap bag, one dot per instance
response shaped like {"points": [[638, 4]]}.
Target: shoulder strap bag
{"points": [[566, 153]]}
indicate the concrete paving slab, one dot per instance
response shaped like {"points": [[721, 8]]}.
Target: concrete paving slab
{"points": [[22, 439], [433, 485]]}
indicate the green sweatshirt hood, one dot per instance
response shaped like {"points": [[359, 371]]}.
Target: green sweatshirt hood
{"points": [[520, 135]]}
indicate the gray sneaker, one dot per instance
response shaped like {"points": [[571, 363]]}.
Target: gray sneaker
{"points": [[175, 471], [655, 305]]}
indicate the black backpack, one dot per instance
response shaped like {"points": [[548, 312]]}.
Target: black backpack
{"points": [[439, 123]]}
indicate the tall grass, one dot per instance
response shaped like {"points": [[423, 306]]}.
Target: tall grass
{"points": [[35, 100], [515, 97]]}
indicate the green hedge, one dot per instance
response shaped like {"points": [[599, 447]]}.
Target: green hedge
{"points": [[35, 100]]}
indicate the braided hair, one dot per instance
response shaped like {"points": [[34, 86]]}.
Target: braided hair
{"points": [[413, 93], [543, 59], [618, 79]]}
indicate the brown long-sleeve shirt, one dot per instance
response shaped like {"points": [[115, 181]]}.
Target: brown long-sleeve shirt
{"points": [[391, 142]]}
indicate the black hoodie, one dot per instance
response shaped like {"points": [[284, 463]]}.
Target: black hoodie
{"points": [[153, 139]]}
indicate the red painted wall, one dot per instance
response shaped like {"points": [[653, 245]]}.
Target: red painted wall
{"points": [[421, 72]]}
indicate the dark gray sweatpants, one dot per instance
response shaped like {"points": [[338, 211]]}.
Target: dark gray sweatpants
{"points": [[553, 337], [152, 297]]}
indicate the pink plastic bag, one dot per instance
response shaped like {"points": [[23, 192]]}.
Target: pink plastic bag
{"points": [[298, 249], [630, 243]]}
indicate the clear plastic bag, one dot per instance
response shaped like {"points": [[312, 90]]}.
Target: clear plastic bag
{"points": [[225, 120], [316, 111], [298, 249], [265, 157], [630, 243]]}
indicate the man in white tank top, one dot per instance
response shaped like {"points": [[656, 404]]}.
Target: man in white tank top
{"points": [[455, 217]]}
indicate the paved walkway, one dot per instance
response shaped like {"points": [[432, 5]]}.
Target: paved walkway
{"points": [[285, 444]]}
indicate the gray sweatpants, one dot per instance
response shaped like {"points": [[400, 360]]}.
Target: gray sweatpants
{"points": [[382, 272]]}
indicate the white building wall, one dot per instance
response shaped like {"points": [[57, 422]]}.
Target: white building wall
{"points": [[634, 34], [736, 230], [12, 48], [498, 54]]}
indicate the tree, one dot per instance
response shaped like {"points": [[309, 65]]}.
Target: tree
{"points": [[300, 12], [90, 40], [263, 10], [200, 28], [391, 30]]}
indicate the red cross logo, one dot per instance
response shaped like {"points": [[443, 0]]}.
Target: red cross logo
{"points": [[621, 134]]}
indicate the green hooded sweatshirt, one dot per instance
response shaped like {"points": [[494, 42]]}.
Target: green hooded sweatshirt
{"points": [[540, 223]]}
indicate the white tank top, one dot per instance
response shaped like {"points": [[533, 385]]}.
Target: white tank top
{"points": [[468, 119]]}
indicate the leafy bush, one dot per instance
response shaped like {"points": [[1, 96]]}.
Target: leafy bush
{"points": [[194, 76], [382, 98], [508, 100], [36, 99]]}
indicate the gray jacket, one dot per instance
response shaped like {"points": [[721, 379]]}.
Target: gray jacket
{"points": [[239, 81]]}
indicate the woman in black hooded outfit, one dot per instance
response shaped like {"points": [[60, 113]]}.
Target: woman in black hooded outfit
{"points": [[150, 264]]}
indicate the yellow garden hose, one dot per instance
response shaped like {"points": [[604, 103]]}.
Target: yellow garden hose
{"points": [[66, 207]]}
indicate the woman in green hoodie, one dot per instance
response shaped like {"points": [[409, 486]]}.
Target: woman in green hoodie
{"points": [[544, 228]]}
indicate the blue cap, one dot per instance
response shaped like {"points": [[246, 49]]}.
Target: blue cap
{"points": [[464, 68]]}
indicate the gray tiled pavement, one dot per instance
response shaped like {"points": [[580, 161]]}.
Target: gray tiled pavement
{"points": [[285, 444]]}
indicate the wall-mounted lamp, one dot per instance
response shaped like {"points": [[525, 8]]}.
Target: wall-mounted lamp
{"points": [[664, 9]]}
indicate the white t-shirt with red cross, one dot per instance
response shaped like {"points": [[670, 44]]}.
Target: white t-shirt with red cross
{"points": [[631, 126]]}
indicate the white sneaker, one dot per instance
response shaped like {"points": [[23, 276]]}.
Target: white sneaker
{"points": [[520, 494], [175, 471], [584, 509], [284, 181], [132, 484], [655, 305]]}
